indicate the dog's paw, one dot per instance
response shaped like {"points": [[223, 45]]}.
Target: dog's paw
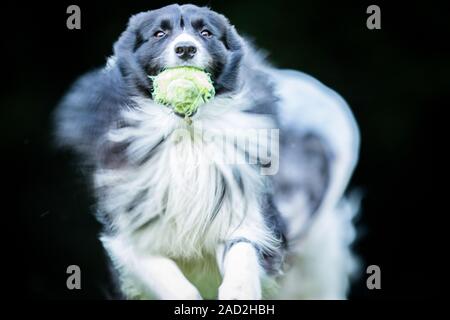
{"points": [[190, 293], [240, 291]]}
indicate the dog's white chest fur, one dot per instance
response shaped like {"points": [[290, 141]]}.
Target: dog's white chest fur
{"points": [[184, 196]]}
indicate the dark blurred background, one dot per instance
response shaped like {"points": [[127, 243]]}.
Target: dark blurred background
{"points": [[392, 78]]}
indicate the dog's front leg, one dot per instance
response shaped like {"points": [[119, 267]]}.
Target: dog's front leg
{"points": [[158, 274], [165, 279], [241, 271]]}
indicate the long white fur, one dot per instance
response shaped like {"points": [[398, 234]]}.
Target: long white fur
{"points": [[182, 182]]}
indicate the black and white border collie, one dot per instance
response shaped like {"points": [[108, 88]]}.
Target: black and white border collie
{"points": [[245, 200]]}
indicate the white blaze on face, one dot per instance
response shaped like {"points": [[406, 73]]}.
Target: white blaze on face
{"points": [[201, 59]]}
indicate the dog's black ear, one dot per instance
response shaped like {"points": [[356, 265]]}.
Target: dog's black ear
{"points": [[230, 38], [233, 42], [131, 39], [229, 78], [124, 51]]}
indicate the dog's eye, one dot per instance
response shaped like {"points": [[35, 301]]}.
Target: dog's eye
{"points": [[206, 33], [159, 34]]}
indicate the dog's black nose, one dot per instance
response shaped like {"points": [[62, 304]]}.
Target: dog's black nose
{"points": [[185, 50]]}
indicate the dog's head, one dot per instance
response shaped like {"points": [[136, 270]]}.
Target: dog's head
{"points": [[177, 35]]}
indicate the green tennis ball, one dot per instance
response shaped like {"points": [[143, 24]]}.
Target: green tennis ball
{"points": [[184, 89]]}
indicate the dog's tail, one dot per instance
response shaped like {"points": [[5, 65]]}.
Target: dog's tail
{"points": [[321, 260], [321, 265]]}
